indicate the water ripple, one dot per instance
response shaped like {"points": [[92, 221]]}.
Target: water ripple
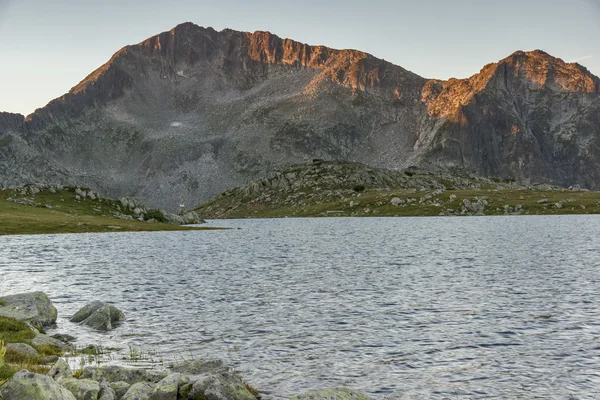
{"points": [[401, 308]]}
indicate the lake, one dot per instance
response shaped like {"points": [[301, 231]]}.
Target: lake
{"points": [[404, 308]]}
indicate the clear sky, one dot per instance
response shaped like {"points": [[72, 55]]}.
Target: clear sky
{"points": [[48, 46]]}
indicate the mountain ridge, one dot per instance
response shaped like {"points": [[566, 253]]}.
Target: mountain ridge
{"points": [[202, 111]]}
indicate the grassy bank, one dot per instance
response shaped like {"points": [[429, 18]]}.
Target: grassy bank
{"points": [[61, 212]]}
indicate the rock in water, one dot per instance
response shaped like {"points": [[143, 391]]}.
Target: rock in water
{"points": [[35, 308], [98, 315], [26, 385], [331, 394]]}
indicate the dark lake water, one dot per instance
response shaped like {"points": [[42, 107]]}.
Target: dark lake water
{"points": [[406, 308]]}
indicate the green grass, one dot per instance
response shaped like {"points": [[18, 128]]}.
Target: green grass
{"points": [[61, 213], [15, 331]]}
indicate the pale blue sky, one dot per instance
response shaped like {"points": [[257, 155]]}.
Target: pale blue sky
{"points": [[47, 47]]}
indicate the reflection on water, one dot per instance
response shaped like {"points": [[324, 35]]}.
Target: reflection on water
{"points": [[395, 307]]}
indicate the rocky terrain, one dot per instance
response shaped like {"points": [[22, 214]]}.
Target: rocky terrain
{"points": [[30, 366], [192, 112], [331, 189]]}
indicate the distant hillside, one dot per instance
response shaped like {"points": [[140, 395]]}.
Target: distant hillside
{"points": [[335, 189]]}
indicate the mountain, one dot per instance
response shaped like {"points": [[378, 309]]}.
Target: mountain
{"points": [[193, 112]]}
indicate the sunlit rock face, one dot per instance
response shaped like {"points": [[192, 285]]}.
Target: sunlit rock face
{"points": [[192, 112]]}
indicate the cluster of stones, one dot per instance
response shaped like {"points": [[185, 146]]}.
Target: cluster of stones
{"points": [[191, 380], [195, 380], [130, 209]]}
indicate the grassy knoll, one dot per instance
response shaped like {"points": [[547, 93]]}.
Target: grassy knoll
{"points": [[350, 189], [378, 203], [61, 212]]}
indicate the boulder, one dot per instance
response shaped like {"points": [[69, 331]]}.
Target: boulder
{"points": [[27, 385], [34, 308], [219, 386], [60, 370], [397, 201], [139, 391], [115, 373], [21, 351], [106, 392], [82, 389], [63, 337], [168, 388], [197, 367], [120, 388], [44, 340], [98, 315], [331, 394]]}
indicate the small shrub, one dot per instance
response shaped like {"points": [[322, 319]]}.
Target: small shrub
{"points": [[157, 215], [359, 188], [254, 391]]}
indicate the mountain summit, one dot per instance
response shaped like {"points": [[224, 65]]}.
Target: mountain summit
{"points": [[192, 112]]}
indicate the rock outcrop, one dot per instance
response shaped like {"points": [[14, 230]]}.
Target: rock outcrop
{"points": [[192, 112]]}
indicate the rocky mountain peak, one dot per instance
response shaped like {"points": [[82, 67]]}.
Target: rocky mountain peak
{"points": [[544, 71]]}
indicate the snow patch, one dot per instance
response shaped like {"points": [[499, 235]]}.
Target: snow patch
{"points": [[176, 123]]}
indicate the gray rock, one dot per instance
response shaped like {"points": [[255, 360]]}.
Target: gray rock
{"points": [[60, 370], [45, 340], [64, 337], [26, 385], [220, 386], [542, 201], [168, 388], [476, 208], [120, 388], [139, 391], [98, 315], [22, 350], [106, 392], [35, 308], [80, 193], [331, 394], [82, 389], [397, 201], [115, 373]]}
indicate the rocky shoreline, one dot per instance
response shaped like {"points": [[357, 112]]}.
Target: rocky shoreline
{"points": [[53, 378]]}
